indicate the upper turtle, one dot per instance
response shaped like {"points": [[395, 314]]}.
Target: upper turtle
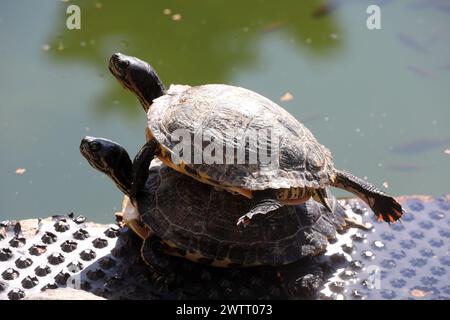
{"points": [[240, 141]]}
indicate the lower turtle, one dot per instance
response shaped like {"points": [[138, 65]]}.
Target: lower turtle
{"points": [[180, 216]]}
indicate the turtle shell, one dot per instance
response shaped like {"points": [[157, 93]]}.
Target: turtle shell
{"points": [[194, 218], [230, 115]]}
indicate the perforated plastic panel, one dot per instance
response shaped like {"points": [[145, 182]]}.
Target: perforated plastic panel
{"points": [[407, 260]]}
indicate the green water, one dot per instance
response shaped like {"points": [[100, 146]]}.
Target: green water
{"points": [[380, 99]]}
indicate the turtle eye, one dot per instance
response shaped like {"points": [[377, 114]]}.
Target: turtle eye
{"points": [[94, 146]]}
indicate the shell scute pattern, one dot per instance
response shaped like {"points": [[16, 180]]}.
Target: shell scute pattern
{"points": [[237, 253], [208, 246], [218, 110]]}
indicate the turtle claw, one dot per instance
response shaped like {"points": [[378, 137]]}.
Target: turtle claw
{"points": [[244, 221], [265, 206], [353, 223]]}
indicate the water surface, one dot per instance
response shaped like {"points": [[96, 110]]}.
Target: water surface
{"points": [[380, 100]]}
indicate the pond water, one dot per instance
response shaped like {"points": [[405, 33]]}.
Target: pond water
{"points": [[379, 99]]}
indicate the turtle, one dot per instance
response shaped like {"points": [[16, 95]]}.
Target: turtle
{"points": [[180, 216], [229, 117]]}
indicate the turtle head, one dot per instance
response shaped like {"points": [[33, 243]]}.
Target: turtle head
{"points": [[137, 76], [110, 158]]}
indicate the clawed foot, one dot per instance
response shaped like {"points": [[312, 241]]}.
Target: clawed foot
{"points": [[244, 220], [263, 207], [352, 223]]}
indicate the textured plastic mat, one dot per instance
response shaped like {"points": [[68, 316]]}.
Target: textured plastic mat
{"points": [[407, 260]]}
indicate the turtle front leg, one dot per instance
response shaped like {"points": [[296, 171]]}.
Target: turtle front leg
{"points": [[141, 164], [266, 201]]}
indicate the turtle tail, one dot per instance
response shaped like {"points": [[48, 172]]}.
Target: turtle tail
{"points": [[385, 207]]}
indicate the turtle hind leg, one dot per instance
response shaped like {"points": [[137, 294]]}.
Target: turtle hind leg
{"points": [[266, 202], [152, 253], [387, 208], [384, 206]]}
